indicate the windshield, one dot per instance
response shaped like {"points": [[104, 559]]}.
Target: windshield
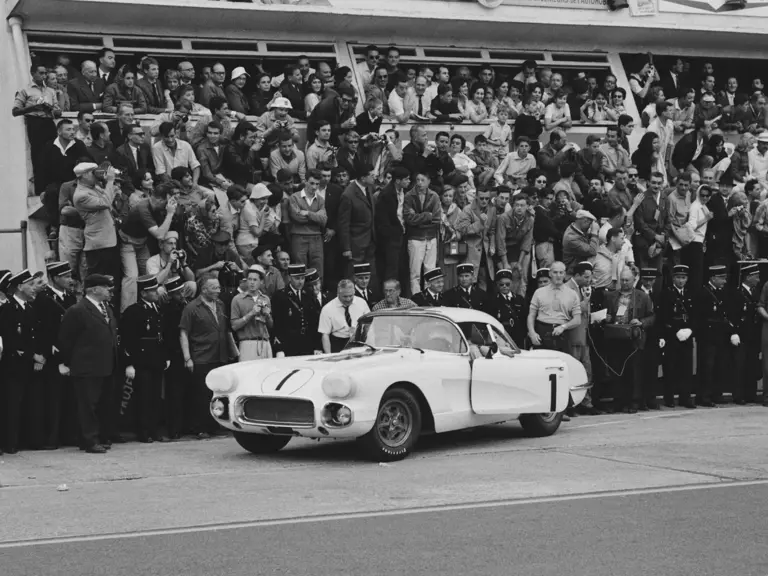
{"points": [[478, 334], [424, 332]]}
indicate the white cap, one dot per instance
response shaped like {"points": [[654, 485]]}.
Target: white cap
{"points": [[84, 168], [281, 103], [763, 137], [257, 268], [585, 214], [260, 191], [237, 72]]}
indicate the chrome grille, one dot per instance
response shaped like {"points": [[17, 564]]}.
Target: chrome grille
{"points": [[279, 411]]}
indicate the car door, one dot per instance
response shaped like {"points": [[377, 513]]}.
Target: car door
{"points": [[512, 383]]}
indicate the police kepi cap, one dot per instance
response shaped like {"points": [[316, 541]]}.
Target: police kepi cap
{"points": [[680, 270], [465, 268], [361, 269], [98, 280], [58, 269], [649, 273], [433, 274], [312, 275], [147, 282], [5, 277], [297, 270], [504, 274], [542, 273], [749, 269], [174, 284], [718, 270], [20, 278]]}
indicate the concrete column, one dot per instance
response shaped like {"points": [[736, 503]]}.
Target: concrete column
{"points": [[19, 47]]}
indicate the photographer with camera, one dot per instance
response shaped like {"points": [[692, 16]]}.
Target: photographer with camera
{"points": [[321, 151], [179, 117], [629, 314], [640, 82], [170, 263]]}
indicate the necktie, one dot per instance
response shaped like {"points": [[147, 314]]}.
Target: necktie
{"points": [[347, 316], [157, 92], [421, 107], [104, 77], [90, 85], [104, 312]]}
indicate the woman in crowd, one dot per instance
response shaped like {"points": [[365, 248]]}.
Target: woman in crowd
{"points": [[504, 99], [597, 110], [647, 157], [314, 87], [464, 164], [740, 157], [698, 216], [186, 94], [536, 92], [490, 103], [261, 97], [124, 90], [235, 92], [461, 93], [475, 109]]}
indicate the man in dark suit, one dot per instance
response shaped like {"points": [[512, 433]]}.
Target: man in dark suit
{"points": [[390, 227], [23, 362], [120, 125], [88, 346], [146, 356], [316, 299], [691, 148], [134, 157], [672, 81], [434, 280], [357, 235], [333, 270], [650, 284], [59, 403], [362, 281], [650, 220], [466, 294], [151, 86], [85, 91]]}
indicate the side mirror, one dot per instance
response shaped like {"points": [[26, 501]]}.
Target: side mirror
{"points": [[492, 349]]}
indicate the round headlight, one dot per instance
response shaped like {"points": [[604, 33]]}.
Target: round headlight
{"points": [[344, 415], [338, 386], [218, 408], [221, 381]]}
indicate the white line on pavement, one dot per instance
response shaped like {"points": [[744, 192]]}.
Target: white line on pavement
{"points": [[376, 514]]}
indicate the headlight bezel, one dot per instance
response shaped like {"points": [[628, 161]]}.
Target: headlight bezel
{"points": [[221, 381], [338, 386]]}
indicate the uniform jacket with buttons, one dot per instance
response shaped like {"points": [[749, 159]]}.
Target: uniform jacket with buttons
{"points": [[142, 337]]}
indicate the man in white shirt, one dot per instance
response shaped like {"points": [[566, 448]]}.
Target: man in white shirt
{"points": [[366, 67], [338, 318], [758, 159], [397, 105]]}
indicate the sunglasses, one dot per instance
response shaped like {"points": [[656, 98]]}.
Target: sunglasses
{"points": [[541, 181]]}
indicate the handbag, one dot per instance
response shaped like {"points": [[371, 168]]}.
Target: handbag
{"points": [[622, 332], [457, 248], [684, 235]]}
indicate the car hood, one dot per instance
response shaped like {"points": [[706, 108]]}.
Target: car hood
{"points": [[285, 376]]}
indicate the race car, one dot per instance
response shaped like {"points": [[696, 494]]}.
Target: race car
{"points": [[403, 374]]}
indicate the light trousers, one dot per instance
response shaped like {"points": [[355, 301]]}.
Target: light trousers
{"points": [[422, 256]]}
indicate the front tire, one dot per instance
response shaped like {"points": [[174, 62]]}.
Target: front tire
{"points": [[261, 443], [396, 429], [540, 425]]}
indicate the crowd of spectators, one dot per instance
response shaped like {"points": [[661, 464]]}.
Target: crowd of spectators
{"points": [[188, 214]]}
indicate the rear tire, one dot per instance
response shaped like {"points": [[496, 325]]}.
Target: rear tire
{"points": [[261, 443], [539, 425], [396, 429]]}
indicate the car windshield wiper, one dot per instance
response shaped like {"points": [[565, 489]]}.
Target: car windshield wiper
{"points": [[370, 347]]}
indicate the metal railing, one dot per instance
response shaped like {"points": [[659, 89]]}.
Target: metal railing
{"points": [[22, 229]]}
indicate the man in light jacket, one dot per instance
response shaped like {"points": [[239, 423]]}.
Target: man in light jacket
{"points": [[477, 226], [421, 212]]}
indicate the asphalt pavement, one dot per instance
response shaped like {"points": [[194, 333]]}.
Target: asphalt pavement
{"points": [[667, 493]]}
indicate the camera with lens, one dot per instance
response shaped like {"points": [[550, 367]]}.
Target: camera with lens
{"points": [[181, 259]]}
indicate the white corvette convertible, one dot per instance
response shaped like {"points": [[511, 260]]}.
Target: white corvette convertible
{"points": [[406, 372]]}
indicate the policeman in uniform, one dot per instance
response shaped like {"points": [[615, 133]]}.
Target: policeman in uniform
{"points": [[316, 299], [432, 295], [747, 322], [362, 278], [715, 337], [23, 362], [542, 278], [291, 312], [466, 294], [677, 316], [176, 375], [60, 407], [146, 356], [508, 308], [653, 341]]}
